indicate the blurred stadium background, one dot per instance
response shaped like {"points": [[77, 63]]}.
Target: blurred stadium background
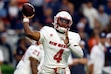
{"points": [[90, 17]]}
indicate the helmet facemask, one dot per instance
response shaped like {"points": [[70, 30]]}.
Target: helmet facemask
{"points": [[62, 22]]}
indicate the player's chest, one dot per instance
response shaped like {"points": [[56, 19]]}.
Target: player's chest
{"points": [[58, 47], [54, 36], [55, 42]]}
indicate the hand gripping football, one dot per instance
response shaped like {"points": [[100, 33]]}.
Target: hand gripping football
{"points": [[28, 10]]}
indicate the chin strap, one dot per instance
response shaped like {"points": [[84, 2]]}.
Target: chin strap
{"points": [[60, 32]]}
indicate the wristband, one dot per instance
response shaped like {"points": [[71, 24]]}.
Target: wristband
{"points": [[25, 20], [68, 44]]}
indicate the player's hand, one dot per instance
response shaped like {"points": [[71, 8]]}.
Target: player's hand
{"points": [[26, 19], [29, 17], [66, 40]]}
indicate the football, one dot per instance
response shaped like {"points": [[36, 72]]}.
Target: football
{"points": [[28, 10]]}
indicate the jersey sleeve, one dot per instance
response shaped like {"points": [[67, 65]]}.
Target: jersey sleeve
{"points": [[75, 38], [43, 32], [74, 44], [35, 52]]}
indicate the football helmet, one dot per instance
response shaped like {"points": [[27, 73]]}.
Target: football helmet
{"points": [[62, 21]]}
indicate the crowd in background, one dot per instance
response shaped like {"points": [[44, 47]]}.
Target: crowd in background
{"points": [[91, 18]]}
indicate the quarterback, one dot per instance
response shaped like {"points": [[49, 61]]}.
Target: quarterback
{"points": [[58, 43]]}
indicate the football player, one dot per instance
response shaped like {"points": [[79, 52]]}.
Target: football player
{"points": [[29, 64], [58, 43]]}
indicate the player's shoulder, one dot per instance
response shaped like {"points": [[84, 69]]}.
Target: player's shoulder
{"points": [[73, 34], [33, 47], [47, 28], [95, 49]]}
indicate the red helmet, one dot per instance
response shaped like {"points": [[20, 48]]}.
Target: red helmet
{"points": [[62, 21]]}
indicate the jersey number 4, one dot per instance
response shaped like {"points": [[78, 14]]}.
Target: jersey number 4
{"points": [[58, 56]]}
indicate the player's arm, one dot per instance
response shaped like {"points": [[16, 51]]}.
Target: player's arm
{"points": [[80, 61], [35, 35], [76, 49], [91, 69], [34, 64]]}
